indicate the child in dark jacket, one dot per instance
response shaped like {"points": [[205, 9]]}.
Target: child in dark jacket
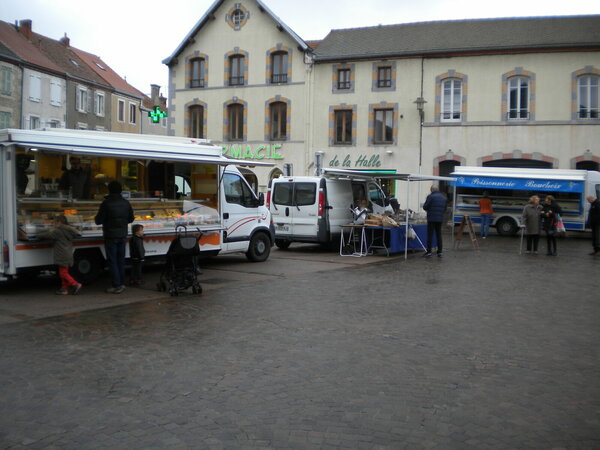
{"points": [[136, 253], [63, 234]]}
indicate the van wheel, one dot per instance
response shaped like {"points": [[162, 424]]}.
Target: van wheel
{"points": [[260, 248], [280, 243], [88, 265], [506, 227]]}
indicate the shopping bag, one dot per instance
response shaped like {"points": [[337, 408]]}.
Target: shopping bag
{"points": [[560, 226]]}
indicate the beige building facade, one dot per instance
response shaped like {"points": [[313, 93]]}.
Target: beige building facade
{"points": [[414, 98]]}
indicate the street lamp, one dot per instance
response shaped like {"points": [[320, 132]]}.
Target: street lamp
{"points": [[420, 102]]}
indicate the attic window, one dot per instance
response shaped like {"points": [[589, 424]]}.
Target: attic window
{"points": [[99, 65], [75, 63], [237, 17]]}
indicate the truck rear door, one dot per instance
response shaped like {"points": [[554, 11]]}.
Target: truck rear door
{"points": [[282, 197], [3, 214], [305, 209]]}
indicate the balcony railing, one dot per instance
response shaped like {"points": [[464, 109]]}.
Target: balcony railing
{"points": [[279, 78], [199, 83]]}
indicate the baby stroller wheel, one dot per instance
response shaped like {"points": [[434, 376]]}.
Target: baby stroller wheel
{"points": [[197, 289]]}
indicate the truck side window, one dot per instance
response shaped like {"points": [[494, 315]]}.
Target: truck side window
{"points": [[306, 193], [375, 194], [236, 191], [282, 193]]}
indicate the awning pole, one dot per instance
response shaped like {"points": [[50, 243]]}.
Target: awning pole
{"points": [[406, 229]]}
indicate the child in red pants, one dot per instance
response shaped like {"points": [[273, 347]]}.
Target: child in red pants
{"points": [[63, 234]]}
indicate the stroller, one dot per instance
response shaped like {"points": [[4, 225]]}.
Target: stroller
{"points": [[181, 268]]}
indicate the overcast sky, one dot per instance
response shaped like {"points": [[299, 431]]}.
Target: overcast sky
{"points": [[134, 36]]}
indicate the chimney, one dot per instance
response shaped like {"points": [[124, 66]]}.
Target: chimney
{"points": [[25, 28], [155, 92], [65, 40]]}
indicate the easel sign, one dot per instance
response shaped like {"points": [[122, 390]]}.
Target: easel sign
{"points": [[466, 221]]}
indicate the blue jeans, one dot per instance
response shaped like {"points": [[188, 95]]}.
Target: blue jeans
{"points": [[115, 254], [486, 219]]}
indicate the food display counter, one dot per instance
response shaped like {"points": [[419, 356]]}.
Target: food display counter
{"points": [[36, 214]]}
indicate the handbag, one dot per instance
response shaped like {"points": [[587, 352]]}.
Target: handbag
{"points": [[560, 226]]}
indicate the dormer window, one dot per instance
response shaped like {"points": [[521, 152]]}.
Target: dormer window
{"points": [[99, 65]]}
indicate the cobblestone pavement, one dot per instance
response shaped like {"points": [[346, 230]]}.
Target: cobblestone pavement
{"points": [[475, 350]]}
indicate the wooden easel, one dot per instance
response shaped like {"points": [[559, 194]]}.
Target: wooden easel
{"points": [[466, 220]]}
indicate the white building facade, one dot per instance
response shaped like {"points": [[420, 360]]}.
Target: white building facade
{"points": [[414, 98]]}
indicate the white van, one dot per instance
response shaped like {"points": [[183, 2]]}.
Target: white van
{"points": [[313, 209]]}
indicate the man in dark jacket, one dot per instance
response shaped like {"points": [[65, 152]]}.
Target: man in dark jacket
{"points": [[114, 215], [593, 222], [435, 205]]}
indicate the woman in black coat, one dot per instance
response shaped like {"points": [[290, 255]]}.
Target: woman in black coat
{"points": [[550, 212]]}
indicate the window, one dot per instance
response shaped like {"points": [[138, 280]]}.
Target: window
{"points": [[5, 119], [238, 17], [99, 104], [294, 194], [121, 111], [235, 115], [132, 113], [196, 115], [343, 126], [197, 68], [54, 123], [587, 91], [81, 99], [35, 88], [376, 195], [518, 98], [6, 82], [34, 122], [237, 191], [55, 93], [305, 194], [343, 81], [384, 76], [236, 70], [278, 112], [279, 67], [384, 126], [451, 99]]}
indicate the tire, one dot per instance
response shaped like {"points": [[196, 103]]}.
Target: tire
{"points": [[282, 244], [506, 227], [87, 265], [260, 248]]}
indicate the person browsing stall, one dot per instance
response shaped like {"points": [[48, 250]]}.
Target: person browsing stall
{"points": [[137, 253], [435, 205], [486, 211], [593, 222], [115, 214], [63, 234]]}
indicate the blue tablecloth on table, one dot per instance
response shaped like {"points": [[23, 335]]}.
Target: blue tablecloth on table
{"points": [[395, 237]]}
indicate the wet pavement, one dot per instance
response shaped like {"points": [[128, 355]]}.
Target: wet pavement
{"points": [[479, 349]]}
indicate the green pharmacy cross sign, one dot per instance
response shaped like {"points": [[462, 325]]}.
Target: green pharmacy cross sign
{"points": [[156, 114]]}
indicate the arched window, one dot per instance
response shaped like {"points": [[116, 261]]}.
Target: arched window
{"points": [[518, 98], [235, 116], [451, 99], [278, 119], [197, 72], [196, 120], [587, 96], [236, 70], [279, 67]]}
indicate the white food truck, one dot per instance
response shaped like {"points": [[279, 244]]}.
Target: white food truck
{"points": [[169, 181], [511, 188]]}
